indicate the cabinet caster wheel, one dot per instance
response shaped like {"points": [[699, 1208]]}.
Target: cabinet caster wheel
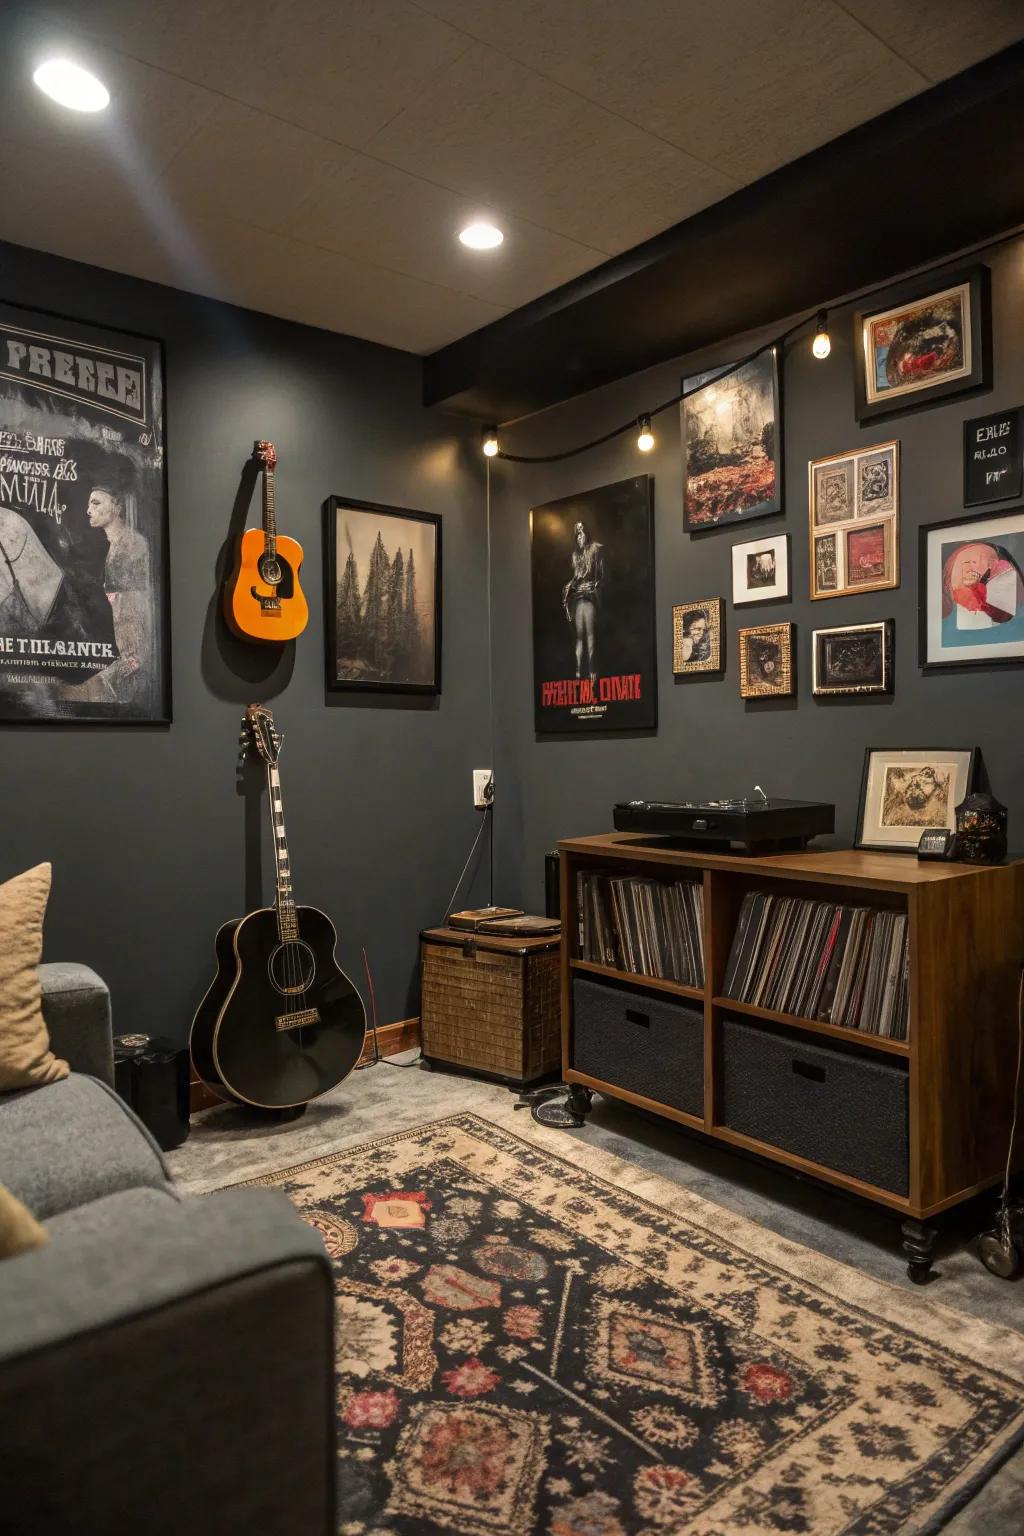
{"points": [[999, 1255], [919, 1246]]}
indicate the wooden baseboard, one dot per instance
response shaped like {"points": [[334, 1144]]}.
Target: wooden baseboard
{"points": [[404, 1035]]}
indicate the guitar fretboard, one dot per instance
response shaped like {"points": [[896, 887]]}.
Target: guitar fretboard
{"points": [[269, 515], [287, 920]]}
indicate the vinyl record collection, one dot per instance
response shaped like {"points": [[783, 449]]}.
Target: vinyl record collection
{"points": [[651, 927], [840, 965]]}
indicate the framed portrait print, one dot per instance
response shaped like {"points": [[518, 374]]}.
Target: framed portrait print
{"points": [[933, 345], [84, 580], [993, 463], [766, 661], [697, 637], [382, 598], [732, 445], [760, 569], [972, 591], [904, 791], [854, 511], [854, 659], [594, 638]]}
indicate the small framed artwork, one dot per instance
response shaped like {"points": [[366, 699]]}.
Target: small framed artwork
{"points": [[903, 792], [766, 661], [993, 464], [932, 346], [697, 637], [382, 598], [854, 511], [732, 445], [854, 659], [972, 591], [760, 569]]}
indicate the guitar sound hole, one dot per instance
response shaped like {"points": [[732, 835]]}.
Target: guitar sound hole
{"points": [[270, 571], [292, 967]]}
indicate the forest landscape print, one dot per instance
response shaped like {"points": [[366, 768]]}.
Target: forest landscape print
{"points": [[383, 629], [732, 435]]}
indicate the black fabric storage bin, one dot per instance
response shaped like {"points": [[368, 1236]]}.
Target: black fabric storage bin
{"points": [[640, 1041], [841, 1110]]}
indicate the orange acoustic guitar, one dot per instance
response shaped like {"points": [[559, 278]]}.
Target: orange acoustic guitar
{"points": [[263, 600]]}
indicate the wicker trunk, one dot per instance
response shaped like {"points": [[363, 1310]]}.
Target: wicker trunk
{"points": [[491, 1005]]}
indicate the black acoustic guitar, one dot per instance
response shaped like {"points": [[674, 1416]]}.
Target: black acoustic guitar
{"points": [[281, 1023]]}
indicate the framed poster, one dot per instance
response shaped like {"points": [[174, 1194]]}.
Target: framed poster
{"points": [[972, 591], [854, 512], [934, 345], [697, 637], [904, 791], [382, 598], [993, 466], [766, 661], [84, 609], [854, 659], [732, 445], [760, 569], [594, 644]]}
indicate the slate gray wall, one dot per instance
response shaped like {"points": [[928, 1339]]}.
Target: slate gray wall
{"points": [[709, 740], [152, 844]]}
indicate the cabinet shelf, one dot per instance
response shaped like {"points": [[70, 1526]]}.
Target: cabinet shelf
{"points": [[637, 979], [814, 1026]]}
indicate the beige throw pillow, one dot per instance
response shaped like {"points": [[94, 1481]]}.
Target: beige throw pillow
{"points": [[25, 1056], [19, 1230]]}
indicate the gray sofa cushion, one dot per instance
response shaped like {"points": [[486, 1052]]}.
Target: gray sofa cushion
{"points": [[76, 1007], [72, 1142]]}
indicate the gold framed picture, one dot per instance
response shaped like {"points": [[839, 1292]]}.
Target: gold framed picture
{"points": [[697, 637], [854, 515], [766, 661]]}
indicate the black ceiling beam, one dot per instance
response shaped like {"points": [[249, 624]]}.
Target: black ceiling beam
{"points": [[933, 175]]}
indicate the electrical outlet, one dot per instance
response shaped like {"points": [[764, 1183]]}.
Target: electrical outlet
{"points": [[483, 788]]}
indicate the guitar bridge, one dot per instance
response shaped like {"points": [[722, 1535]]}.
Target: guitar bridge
{"points": [[297, 1020], [267, 604]]}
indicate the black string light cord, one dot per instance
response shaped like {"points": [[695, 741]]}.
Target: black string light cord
{"points": [[816, 315]]}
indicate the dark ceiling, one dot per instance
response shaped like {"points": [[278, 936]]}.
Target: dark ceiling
{"points": [[937, 174]]}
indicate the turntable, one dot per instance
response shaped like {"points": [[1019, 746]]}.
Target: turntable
{"points": [[753, 824]]}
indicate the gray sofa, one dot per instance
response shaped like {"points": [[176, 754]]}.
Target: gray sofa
{"points": [[166, 1365]]}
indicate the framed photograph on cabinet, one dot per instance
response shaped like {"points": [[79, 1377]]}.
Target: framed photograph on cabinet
{"points": [[972, 591], [853, 659], [766, 661], [382, 598], [594, 640], [904, 791], [760, 569], [993, 465], [854, 511], [732, 445], [932, 346], [697, 637], [84, 567]]}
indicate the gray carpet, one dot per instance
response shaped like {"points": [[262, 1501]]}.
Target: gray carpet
{"points": [[227, 1145]]}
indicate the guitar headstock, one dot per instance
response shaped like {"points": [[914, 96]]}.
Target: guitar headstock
{"points": [[259, 731], [265, 454]]}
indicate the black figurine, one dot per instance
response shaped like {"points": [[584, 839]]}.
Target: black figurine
{"points": [[981, 830]]}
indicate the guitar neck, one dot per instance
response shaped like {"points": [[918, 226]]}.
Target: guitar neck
{"points": [[287, 920], [269, 515]]}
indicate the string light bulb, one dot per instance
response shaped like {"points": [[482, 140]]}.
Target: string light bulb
{"points": [[489, 441], [821, 346], [645, 437]]}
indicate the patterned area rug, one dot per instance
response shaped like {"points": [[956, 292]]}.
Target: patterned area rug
{"points": [[526, 1346]]}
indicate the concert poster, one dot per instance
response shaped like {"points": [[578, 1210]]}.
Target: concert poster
{"points": [[594, 642], [84, 634]]}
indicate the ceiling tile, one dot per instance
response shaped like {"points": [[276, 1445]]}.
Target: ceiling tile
{"points": [[940, 38], [341, 68], [494, 130], [743, 85], [385, 217]]}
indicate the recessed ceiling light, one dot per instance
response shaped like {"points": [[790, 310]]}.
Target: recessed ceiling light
{"points": [[71, 85], [481, 237]]}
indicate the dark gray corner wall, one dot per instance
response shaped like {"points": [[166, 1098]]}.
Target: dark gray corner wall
{"points": [[148, 835], [709, 740]]}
